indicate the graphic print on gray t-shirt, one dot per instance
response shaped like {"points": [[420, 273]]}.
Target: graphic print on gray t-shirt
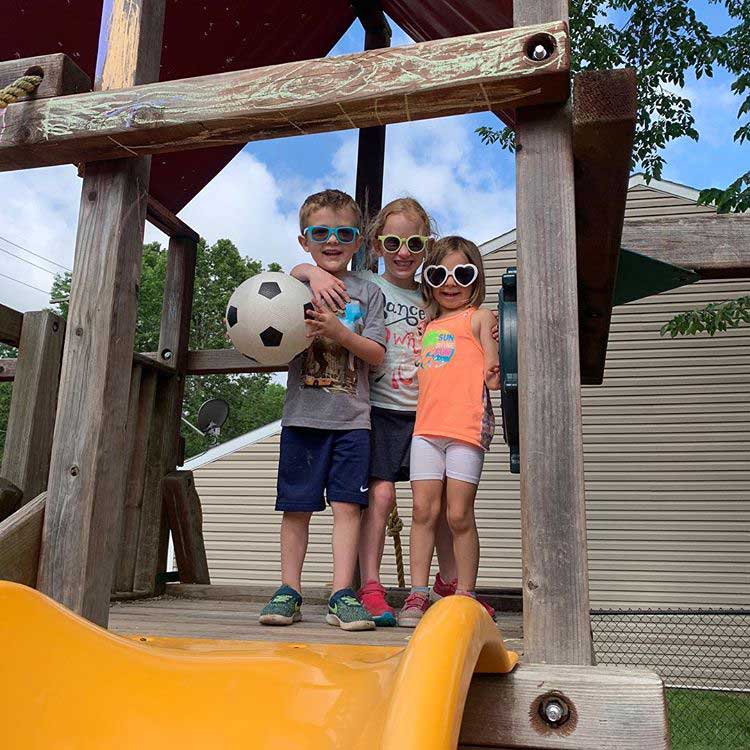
{"points": [[329, 365], [328, 388]]}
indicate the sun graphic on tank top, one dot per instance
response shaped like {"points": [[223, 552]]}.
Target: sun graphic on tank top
{"points": [[438, 348]]}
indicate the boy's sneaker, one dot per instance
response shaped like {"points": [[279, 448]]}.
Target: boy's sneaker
{"points": [[415, 606], [284, 608], [372, 595], [440, 588], [346, 612]]}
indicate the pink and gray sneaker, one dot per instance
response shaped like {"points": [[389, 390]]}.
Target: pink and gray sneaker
{"points": [[440, 589], [415, 606], [372, 596]]}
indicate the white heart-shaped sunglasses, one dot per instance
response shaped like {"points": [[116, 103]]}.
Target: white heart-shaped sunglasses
{"points": [[464, 274]]}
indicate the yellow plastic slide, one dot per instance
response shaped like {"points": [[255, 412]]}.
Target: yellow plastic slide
{"points": [[70, 684]]}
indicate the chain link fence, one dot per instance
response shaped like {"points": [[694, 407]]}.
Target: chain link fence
{"points": [[703, 656]]}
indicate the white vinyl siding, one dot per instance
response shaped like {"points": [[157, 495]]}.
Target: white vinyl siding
{"points": [[667, 462]]}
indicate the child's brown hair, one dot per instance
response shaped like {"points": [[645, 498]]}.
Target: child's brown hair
{"points": [[337, 199], [405, 205], [445, 246]]}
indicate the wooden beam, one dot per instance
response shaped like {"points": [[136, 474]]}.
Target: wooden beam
{"points": [[604, 116], [61, 76], [612, 708], [10, 326], [87, 474], [33, 404], [183, 507], [20, 540], [432, 79], [717, 246], [224, 362], [165, 220], [7, 370], [553, 513], [10, 498]]}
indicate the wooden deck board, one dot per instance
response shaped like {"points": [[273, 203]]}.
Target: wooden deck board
{"points": [[186, 618]]}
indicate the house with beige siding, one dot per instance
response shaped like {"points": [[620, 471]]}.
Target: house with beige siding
{"points": [[667, 461]]}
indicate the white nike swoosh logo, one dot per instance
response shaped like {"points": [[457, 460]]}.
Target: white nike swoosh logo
{"points": [[363, 489]]}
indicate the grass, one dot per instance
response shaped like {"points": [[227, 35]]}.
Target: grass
{"points": [[707, 720]]}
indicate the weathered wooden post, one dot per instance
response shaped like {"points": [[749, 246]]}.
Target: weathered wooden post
{"points": [[87, 474], [371, 146], [28, 443], [164, 438], [553, 514]]}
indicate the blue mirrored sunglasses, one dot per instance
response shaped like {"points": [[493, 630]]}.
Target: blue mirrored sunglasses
{"points": [[320, 234]]}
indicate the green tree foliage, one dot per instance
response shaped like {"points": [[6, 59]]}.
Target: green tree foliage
{"points": [[254, 400], [6, 352], [710, 319]]}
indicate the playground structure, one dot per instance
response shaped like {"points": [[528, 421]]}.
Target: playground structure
{"points": [[90, 489]]}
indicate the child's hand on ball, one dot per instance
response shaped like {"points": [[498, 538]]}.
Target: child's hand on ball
{"points": [[322, 322]]}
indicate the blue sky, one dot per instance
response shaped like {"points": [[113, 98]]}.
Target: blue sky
{"points": [[468, 187]]}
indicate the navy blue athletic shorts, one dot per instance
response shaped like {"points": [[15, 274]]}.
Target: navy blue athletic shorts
{"points": [[314, 464]]}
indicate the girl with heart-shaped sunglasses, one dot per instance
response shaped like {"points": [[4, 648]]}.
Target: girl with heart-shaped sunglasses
{"points": [[454, 424]]}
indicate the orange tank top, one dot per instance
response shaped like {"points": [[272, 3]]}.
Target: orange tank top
{"points": [[453, 398]]}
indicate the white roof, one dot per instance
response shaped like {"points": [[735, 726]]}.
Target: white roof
{"points": [[232, 445], [497, 243]]}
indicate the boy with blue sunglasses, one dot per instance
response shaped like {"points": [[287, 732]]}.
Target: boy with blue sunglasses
{"points": [[325, 436]]}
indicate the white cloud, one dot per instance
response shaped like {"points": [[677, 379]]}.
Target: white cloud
{"points": [[243, 203], [39, 212], [442, 164]]}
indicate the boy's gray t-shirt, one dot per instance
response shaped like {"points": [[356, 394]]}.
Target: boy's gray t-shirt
{"points": [[328, 388]]}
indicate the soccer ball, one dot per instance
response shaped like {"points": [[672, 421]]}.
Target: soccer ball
{"points": [[266, 318]]}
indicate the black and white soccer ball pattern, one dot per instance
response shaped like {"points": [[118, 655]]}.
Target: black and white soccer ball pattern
{"points": [[266, 318]]}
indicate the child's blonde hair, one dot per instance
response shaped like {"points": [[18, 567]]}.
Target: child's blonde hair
{"points": [[405, 205], [445, 246]]}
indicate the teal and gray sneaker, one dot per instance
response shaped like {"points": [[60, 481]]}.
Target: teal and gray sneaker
{"points": [[346, 612], [284, 608]]}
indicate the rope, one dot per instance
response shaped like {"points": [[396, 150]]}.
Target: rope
{"points": [[394, 528], [20, 87]]}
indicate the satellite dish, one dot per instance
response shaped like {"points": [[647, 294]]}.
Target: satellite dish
{"points": [[212, 415]]}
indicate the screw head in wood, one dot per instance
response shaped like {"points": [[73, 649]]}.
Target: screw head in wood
{"points": [[166, 354], [554, 710], [540, 47]]}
